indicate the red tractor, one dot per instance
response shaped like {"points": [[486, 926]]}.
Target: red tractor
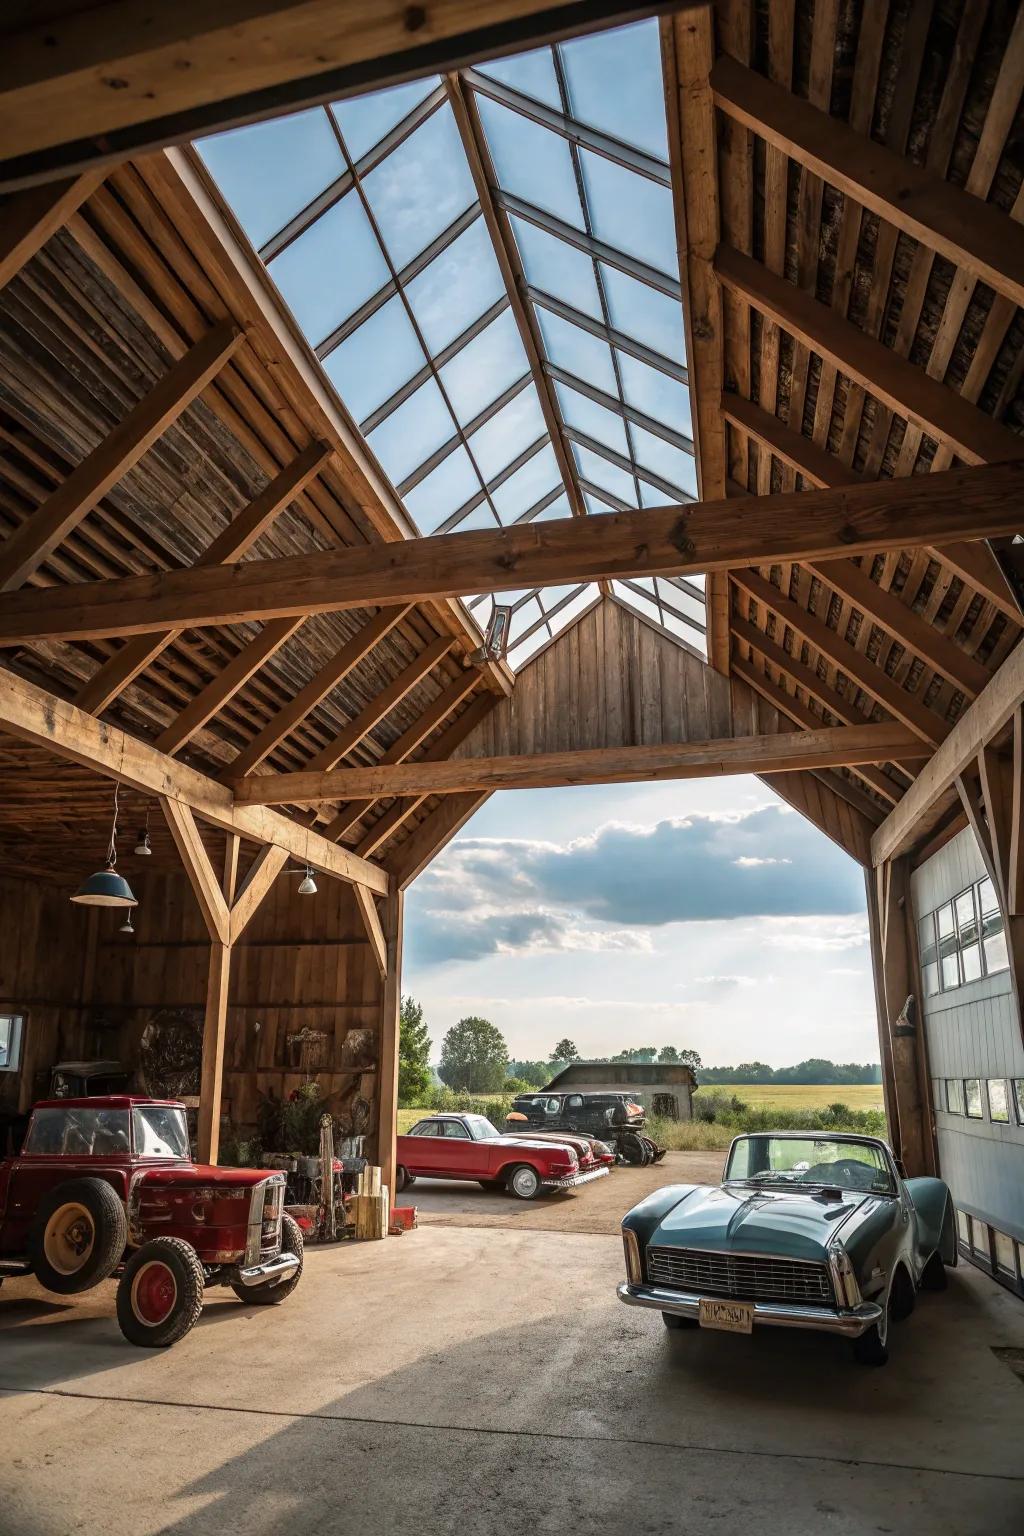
{"points": [[107, 1187]]}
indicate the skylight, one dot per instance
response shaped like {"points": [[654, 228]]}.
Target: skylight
{"points": [[368, 218]]}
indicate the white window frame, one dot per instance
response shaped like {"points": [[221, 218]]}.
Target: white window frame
{"points": [[17, 1041]]}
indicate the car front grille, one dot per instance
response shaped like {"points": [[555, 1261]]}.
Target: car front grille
{"points": [[750, 1277]]}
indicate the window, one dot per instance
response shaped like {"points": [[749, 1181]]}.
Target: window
{"points": [[962, 941], [954, 1096], [972, 1098], [574, 1101], [998, 1103], [426, 1128], [929, 954], [993, 937], [963, 1230], [11, 1031], [1004, 1253], [1018, 1099], [454, 1130], [160, 1132], [979, 1239], [967, 933], [949, 960]]}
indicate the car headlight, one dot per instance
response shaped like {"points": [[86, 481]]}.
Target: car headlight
{"points": [[844, 1277], [631, 1248]]}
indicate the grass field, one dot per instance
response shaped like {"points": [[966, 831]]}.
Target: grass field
{"points": [[804, 1095]]}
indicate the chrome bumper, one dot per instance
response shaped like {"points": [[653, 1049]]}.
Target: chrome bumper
{"points": [[573, 1179], [849, 1322], [272, 1272]]}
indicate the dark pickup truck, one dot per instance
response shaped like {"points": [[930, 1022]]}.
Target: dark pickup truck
{"points": [[614, 1117]]}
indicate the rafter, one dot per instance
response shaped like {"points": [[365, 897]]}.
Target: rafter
{"points": [[220, 690], [27, 548], [904, 388], [32, 216], [673, 540], [230, 545], [826, 747], [971, 233]]}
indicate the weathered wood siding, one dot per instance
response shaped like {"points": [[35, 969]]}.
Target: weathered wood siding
{"points": [[43, 945]]}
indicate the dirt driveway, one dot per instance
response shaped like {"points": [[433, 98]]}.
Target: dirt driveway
{"points": [[597, 1207]]}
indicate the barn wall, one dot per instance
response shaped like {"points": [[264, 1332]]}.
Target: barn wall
{"points": [[302, 964], [43, 949]]}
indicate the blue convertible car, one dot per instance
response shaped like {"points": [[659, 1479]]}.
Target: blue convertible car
{"points": [[807, 1231]]}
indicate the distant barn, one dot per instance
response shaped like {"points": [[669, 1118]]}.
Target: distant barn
{"points": [[662, 1087]]}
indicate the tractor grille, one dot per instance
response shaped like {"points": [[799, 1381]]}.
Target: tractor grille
{"points": [[748, 1277]]}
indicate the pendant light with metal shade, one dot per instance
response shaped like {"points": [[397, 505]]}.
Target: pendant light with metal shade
{"points": [[106, 888], [144, 847], [307, 885]]}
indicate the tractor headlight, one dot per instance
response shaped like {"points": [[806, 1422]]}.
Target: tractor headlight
{"points": [[631, 1248]]}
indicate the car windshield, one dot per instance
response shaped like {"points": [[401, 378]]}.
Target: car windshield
{"points": [[819, 1161], [78, 1132], [160, 1131], [480, 1128]]}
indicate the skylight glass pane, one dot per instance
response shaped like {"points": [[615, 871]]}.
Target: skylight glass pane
{"points": [[532, 162], [630, 212], [413, 432], [505, 436], [615, 84], [523, 618], [593, 419], [446, 488], [421, 187], [671, 463], [561, 621], [530, 482], [559, 508], [645, 314], [577, 351], [270, 171], [330, 270], [557, 268], [456, 288], [375, 360], [532, 73], [480, 517], [656, 394], [485, 367], [364, 120], [595, 468]]}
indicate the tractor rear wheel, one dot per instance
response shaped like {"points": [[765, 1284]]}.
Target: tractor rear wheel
{"points": [[78, 1236]]}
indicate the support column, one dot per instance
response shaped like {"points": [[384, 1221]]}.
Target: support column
{"points": [[214, 1033], [901, 1022], [387, 1068]]}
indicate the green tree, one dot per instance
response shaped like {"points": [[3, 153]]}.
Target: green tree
{"points": [[644, 1054], [565, 1051], [691, 1059], [535, 1074], [414, 1075], [668, 1053], [474, 1056]]}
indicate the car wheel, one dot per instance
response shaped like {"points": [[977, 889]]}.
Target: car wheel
{"points": [[78, 1236], [273, 1295], [902, 1296], [872, 1348], [672, 1321], [160, 1294], [523, 1182], [402, 1180], [934, 1277]]}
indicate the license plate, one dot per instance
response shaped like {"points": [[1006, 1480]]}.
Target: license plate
{"points": [[731, 1316]]}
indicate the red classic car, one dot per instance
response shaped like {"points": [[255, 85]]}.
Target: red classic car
{"points": [[468, 1147], [107, 1185]]}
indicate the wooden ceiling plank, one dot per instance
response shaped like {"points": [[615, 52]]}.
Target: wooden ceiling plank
{"points": [[904, 388], [706, 536], [973, 234], [34, 714], [788, 751], [241, 533], [32, 216], [124, 446], [904, 706], [281, 725]]}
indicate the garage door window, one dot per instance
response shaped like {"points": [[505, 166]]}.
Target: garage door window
{"points": [[954, 1096], [11, 1030], [998, 1103], [1018, 1099], [1004, 1252]]}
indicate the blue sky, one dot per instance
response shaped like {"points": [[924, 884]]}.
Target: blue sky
{"points": [[700, 914]]}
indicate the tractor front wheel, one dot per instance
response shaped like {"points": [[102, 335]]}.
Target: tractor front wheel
{"points": [[160, 1294]]}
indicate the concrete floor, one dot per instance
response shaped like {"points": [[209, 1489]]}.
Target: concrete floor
{"points": [[462, 1379]]}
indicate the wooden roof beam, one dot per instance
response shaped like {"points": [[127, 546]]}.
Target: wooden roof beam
{"points": [[33, 714], [230, 545], [882, 373], [220, 690], [973, 234], [669, 541], [32, 216], [787, 751]]}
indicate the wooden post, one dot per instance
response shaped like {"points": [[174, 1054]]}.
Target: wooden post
{"points": [[387, 1069], [214, 1032], [893, 956]]}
